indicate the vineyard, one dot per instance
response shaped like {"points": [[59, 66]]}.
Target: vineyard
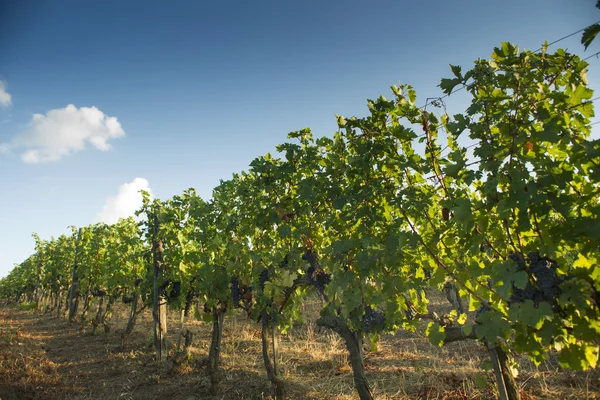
{"points": [[477, 230]]}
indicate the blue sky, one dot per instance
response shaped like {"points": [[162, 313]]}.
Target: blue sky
{"points": [[185, 93]]}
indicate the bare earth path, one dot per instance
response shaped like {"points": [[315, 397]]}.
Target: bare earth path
{"points": [[46, 358], [43, 357]]}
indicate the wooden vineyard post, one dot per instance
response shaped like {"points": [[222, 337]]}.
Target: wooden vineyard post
{"points": [[74, 292], [159, 305]]}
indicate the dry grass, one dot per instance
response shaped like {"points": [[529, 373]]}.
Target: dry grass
{"points": [[42, 357]]}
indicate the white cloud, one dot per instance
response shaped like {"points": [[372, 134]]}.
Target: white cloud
{"points": [[125, 203], [65, 131], [4, 149], [5, 97]]}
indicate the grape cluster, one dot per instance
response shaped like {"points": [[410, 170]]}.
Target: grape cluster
{"points": [[310, 257], [372, 319], [284, 262], [98, 292], [427, 273], [482, 310], [189, 297], [238, 292], [175, 291], [545, 285], [317, 277], [264, 277], [320, 279]]}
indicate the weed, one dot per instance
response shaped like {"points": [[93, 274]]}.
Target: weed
{"points": [[27, 306]]}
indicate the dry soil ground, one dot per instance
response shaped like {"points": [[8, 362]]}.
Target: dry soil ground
{"points": [[43, 357]]}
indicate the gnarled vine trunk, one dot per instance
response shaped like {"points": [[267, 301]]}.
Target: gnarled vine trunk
{"points": [[507, 386], [86, 307], [182, 356], [185, 314], [133, 313], [181, 322], [38, 291], [188, 305], [214, 355], [99, 315], [271, 367], [354, 343], [453, 297], [59, 303], [108, 314], [74, 291]]}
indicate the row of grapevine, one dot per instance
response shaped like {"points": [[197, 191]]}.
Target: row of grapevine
{"points": [[369, 218]]}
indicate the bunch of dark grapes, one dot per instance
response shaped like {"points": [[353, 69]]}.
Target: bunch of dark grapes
{"points": [[189, 297], [238, 292], [310, 257], [284, 262], [175, 291], [481, 310], [372, 319], [427, 273], [316, 276], [264, 277], [321, 279], [546, 282], [96, 292]]}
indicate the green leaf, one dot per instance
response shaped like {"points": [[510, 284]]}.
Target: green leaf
{"points": [[481, 380], [579, 356], [589, 34], [352, 300], [287, 279], [403, 133], [467, 329], [456, 70], [458, 125], [583, 262], [492, 325], [486, 365], [462, 211], [453, 170], [473, 303], [436, 334], [285, 230], [448, 85], [529, 314], [339, 203]]}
